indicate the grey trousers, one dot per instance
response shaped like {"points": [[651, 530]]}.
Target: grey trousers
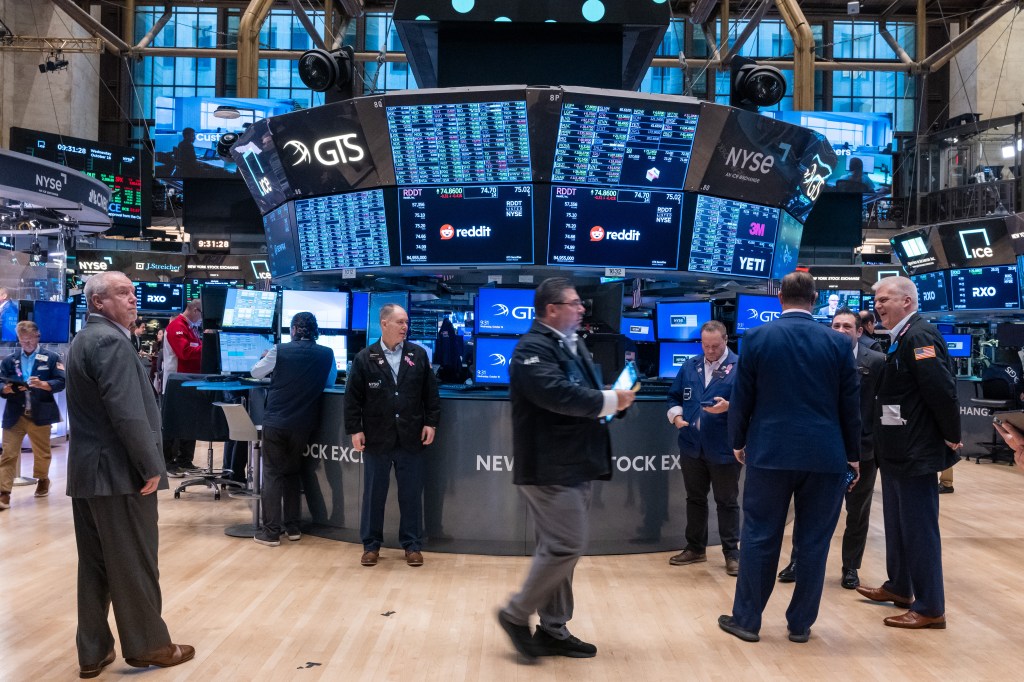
{"points": [[561, 518], [118, 539]]}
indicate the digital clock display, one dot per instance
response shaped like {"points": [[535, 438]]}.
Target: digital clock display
{"points": [[213, 244]]}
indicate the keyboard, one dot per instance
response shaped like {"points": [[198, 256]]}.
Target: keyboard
{"points": [[455, 387], [253, 381], [653, 388]]}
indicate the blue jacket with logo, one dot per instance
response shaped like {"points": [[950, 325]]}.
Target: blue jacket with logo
{"points": [[48, 368], [711, 440]]}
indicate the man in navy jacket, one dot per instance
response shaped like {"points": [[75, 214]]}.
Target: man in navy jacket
{"points": [[30, 408], [705, 456], [794, 420]]}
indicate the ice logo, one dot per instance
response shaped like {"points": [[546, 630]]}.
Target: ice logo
{"points": [[498, 360]]}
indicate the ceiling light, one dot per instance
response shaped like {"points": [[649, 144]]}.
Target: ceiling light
{"points": [[224, 111]]}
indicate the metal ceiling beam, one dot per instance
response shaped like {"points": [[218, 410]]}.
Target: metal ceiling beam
{"points": [[941, 56], [40, 44], [307, 23], [111, 40], [249, 46], [803, 54], [748, 31], [157, 27], [883, 30]]}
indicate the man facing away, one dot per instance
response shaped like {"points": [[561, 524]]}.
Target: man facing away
{"points": [[115, 467], [561, 445], [706, 459], [794, 420], [30, 408], [917, 435], [183, 351], [392, 409]]}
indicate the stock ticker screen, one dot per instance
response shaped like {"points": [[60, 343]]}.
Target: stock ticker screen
{"points": [[466, 225], [342, 231], [614, 228], [992, 288], [278, 227], [460, 143], [624, 146], [932, 291], [733, 237]]}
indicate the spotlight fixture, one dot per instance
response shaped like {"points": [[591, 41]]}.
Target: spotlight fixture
{"points": [[225, 143], [321, 70], [225, 111], [754, 85], [54, 62]]}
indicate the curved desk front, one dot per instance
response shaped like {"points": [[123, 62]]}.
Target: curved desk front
{"points": [[470, 503]]}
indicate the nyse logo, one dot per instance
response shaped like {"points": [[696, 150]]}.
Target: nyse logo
{"points": [[752, 264], [639, 330], [498, 360], [983, 292], [93, 266], [755, 162], [329, 151], [679, 358], [955, 345], [763, 315], [682, 320], [520, 312], [52, 184], [975, 248]]}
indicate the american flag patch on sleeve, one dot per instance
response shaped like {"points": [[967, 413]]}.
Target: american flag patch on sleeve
{"points": [[924, 352]]}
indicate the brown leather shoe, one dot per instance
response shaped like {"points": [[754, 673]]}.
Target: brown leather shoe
{"points": [[89, 671], [369, 558], [688, 556], [413, 558], [43, 487], [732, 566], [5, 500], [882, 594], [912, 620], [170, 655]]}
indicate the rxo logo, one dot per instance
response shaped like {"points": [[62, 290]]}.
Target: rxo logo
{"points": [[928, 295], [763, 315], [981, 292], [150, 298], [524, 312]]}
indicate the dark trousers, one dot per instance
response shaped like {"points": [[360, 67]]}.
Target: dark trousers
{"points": [[118, 539], [817, 499], [282, 479], [858, 515], [913, 548], [179, 453], [409, 471], [701, 477]]}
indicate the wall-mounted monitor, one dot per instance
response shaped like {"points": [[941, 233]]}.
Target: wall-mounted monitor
{"points": [[753, 310], [249, 309], [53, 319], [10, 313], [977, 243], [932, 291], [638, 328], [239, 352], [603, 227], [991, 288], [682, 321], [831, 300], [159, 297], [329, 307], [343, 231], [360, 310], [493, 356], [279, 229], [379, 299], [958, 345], [602, 306], [733, 238], [504, 311], [336, 342], [672, 355], [918, 250]]}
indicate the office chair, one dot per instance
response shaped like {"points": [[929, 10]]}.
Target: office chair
{"points": [[242, 430], [997, 395]]}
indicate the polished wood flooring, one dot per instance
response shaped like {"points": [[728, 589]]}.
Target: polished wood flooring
{"points": [[308, 611]]}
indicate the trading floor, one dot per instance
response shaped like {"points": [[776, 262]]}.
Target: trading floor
{"points": [[308, 611]]}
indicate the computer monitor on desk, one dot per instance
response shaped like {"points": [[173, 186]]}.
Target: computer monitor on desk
{"points": [[240, 351]]}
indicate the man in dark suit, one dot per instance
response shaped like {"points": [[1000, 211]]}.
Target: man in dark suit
{"points": [[561, 445], [858, 500], [794, 421], [30, 408], [705, 457], [392, 408], [917, 435], [301, 370], [115, 465], [867, 321]]}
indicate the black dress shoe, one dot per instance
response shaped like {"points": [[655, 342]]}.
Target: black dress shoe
{"points": [[800, 637], [730, 626], [788, 574], [850, 580], [520, 635], [544, 644], [943, 489]]}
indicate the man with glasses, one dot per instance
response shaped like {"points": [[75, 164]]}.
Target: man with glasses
{"points": [[561, 444]]}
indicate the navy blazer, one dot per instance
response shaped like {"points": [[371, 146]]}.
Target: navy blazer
{"points": [[48, 368], [796, 400], [712, 438]]}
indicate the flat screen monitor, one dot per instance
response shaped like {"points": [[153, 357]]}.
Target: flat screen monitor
{"points": [[360, 309], [249, 309], [917, 251], [379, 299], [753, 311], [343, 231], [638, 328], [682, 321], [218, 207], [603, 307], [504, 311], [932, 291], [831, 300], [9, 314], [836, 221], [159, 297], [733, 238], [976, 243], [493, 356], [867, 302], [279, 229], [239, 352], [958, 345], [603, 227], [329, 307], [427, 345], [610, 141], [991, 288], [54, 321], [466, 225], [1010, 335], [672, 355], [336, 342]]}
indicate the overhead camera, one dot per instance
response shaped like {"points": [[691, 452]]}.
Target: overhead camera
{"points": [[755, 85], [321, 70], [225, 143]]}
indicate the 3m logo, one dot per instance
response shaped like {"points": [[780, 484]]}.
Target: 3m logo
{"points": [[972, 240], [915, 247]]}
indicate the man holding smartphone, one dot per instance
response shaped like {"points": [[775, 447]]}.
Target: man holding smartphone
{"points": [[698, 406]]}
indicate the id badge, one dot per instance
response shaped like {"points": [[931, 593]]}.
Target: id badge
{"points": [[687, 393]]}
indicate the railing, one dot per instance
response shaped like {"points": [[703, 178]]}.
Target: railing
{"points": [[970, 201]]}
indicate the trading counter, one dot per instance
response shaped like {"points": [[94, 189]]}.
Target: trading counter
{"points": [[470, 503]]}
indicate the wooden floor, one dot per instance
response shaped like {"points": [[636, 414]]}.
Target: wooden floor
{"points": [[308, 611]]}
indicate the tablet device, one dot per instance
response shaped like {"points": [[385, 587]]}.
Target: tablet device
{"points": [[1015, 419], [628, 380], [14, 381]]}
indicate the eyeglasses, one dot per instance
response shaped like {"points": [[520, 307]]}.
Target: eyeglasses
{"points": [[575, 304]]}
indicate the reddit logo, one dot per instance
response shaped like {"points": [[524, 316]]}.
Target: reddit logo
{"points": [[447, 232], [596, 233]]}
